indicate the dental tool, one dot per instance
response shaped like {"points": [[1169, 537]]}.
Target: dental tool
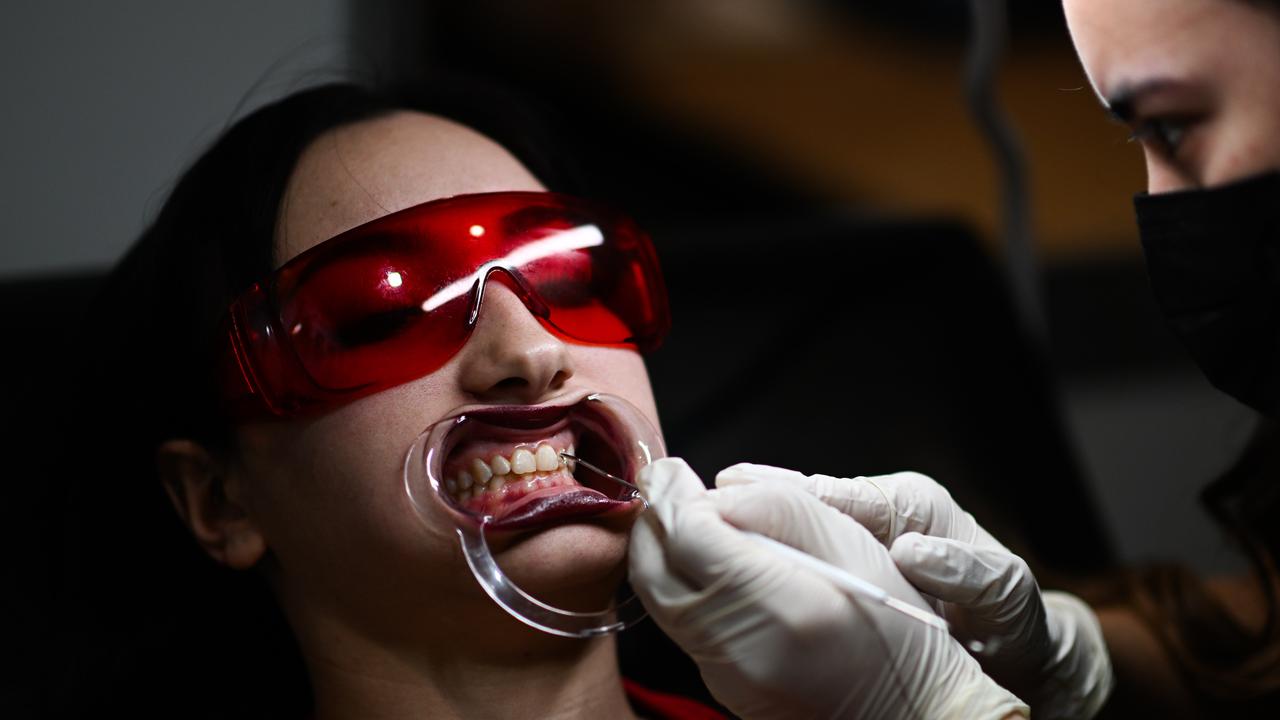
{"points": [[844, 580], [609, 475], [848, 582]]}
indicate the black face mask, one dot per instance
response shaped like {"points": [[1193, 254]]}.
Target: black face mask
{"points": [[1213, 257]]}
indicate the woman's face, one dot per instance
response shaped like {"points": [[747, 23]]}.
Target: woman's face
{"points": [[1197, 80], [345, 546]]}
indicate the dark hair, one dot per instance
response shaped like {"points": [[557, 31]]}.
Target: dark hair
{"points": [[1229, 666], [148, 622]]}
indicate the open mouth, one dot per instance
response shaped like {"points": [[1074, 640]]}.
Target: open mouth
{"points": [[507, 467], [510, 469]]}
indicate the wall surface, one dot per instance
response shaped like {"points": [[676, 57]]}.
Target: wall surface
{"points": [[105, 103]]}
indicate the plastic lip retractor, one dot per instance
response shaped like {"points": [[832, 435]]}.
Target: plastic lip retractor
{"points": [[619, 440]]}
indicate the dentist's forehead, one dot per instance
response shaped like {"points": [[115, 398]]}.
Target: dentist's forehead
{"points": [[1127, 43], [359, 172]]}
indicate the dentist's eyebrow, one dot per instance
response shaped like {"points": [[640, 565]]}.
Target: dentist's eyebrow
{"points": [[1122, 102]]}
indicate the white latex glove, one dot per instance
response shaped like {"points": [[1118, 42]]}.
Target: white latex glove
{"points": [[774, 640], [1047, 647]]}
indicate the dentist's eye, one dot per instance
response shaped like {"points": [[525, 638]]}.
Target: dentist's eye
{"points": [[1163, 134]]}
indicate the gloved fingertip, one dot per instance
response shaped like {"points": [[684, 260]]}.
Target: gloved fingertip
{"points": [[949, 570], [665, 476], [910, 539], [914, 549], [742, 474], [673, 490], [750, 473], [727, 498]]}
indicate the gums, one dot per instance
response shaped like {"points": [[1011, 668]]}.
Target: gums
{"points": [[534, 499]]}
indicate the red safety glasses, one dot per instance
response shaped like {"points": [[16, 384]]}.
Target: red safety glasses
{"points": [[394, 299]]}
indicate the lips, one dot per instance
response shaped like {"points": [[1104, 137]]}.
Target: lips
{"points": [[555, 506], [503, 466], [521, 417]]}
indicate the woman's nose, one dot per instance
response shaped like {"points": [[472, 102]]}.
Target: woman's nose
{"points": [[510, 356]]}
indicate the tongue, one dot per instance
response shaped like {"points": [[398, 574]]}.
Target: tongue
{"points": [[540, 509]]}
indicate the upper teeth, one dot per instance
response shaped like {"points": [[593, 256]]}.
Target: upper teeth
{"points": [[480, 469], [522, 461], [547, 458], [499, 465], [479, 475]]}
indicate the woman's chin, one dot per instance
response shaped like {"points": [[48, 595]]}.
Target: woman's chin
{"points": [[576, 566]]}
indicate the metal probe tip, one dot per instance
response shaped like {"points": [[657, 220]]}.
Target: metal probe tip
{"points": [[599, 471]]}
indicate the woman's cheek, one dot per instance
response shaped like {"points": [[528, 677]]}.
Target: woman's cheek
{"points": [[355, 543], [616, 371], [333, 496]]}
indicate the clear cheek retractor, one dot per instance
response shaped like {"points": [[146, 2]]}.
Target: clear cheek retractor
{"points": [[601, 442]]}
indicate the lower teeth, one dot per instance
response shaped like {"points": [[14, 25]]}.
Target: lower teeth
{"points": [[500, 490]]}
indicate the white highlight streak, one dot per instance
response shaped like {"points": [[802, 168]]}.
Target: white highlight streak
{"points": [[578, 238]]}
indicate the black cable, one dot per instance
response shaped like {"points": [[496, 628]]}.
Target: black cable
{"points": [[987, 36]]}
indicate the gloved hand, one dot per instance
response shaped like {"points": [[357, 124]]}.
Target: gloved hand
{"points": [[1046, 647], [774, 640]]}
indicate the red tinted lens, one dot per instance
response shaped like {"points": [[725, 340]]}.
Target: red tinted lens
{"points": [[391, 300], [603, 285], [360, 321]]}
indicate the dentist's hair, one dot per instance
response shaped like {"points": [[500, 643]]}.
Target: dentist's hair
{"points": [[1229, 665]]}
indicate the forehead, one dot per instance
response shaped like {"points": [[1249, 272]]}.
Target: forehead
{"points": [[359, 172], [1123, 43]]}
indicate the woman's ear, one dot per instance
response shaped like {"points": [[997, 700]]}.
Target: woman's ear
{"points": [[208, 500]]}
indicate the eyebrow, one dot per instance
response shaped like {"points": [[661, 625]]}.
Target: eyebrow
{"points": [[1121, 103]]}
